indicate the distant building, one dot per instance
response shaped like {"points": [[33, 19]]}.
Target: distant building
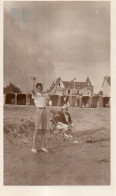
{"points": [[106, 87], [67, 88]]}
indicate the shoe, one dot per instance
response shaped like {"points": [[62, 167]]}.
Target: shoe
{"points": [[66, 135], [33, 150], [76, 142], [44, 149], [70, 136]]}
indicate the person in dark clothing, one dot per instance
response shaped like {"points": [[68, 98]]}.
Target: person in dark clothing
{"points": [[63, 121]]}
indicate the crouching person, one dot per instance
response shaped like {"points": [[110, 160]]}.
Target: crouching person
{"points": [[65, 121]]}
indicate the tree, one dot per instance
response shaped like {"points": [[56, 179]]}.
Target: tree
{"points": [[11, 88]]}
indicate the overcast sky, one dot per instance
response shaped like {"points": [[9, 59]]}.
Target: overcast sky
{"points": [[52, 39]]}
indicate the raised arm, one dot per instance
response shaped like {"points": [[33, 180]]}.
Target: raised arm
{"points": [[33, 94], [33, 90]]}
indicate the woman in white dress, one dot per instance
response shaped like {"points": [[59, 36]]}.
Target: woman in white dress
{"points": [[40, 117]]}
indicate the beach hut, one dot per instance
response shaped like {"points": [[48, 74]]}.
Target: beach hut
{"points": [[59, 101], [10, 98], [72, 101], [64, 100], [54, 99], [21, 99], [80, 101], [95, 101], [106, 101], [90, 102], [17, 99], [77, 100], [85, 101]]}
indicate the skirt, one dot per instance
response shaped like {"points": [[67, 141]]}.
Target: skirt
{"points": [[40, 118]]}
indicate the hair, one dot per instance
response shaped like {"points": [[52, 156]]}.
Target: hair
{"points": [[39, 84]]}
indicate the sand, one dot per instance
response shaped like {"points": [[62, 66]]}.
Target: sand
{"points": [[84, 163]]}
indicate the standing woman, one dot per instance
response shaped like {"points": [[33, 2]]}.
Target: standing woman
{"points": [[40, 117]]}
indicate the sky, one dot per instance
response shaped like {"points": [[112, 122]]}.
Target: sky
{"points": [[52, 39]]}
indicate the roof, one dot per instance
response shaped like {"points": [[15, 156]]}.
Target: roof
{"points": [[108, 79], [70, 84], [88, 80]]}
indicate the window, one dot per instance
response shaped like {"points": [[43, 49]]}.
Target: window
{"points": [[59, 84]]}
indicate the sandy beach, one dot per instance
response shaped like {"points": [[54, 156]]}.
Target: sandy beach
{"points": [[84, 163]]}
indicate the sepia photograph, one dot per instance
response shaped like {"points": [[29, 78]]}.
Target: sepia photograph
{"points": [[56, 93]]}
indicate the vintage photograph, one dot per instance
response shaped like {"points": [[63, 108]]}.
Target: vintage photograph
{"points": [[57, 99]]}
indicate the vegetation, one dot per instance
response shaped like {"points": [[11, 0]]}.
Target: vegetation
{"points": [[11, 88]]}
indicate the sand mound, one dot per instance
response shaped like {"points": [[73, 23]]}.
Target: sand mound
{"points": [[22, 134]]}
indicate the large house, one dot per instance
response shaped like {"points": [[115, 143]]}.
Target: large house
{"points": [[106, 87], [67, 88]]}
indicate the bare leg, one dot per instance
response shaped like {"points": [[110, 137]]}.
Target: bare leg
{"points": [[35, 138], [42, 139], [70, 133]]}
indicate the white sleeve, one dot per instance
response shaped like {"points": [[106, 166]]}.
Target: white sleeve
{"points": [[33, 97]]}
